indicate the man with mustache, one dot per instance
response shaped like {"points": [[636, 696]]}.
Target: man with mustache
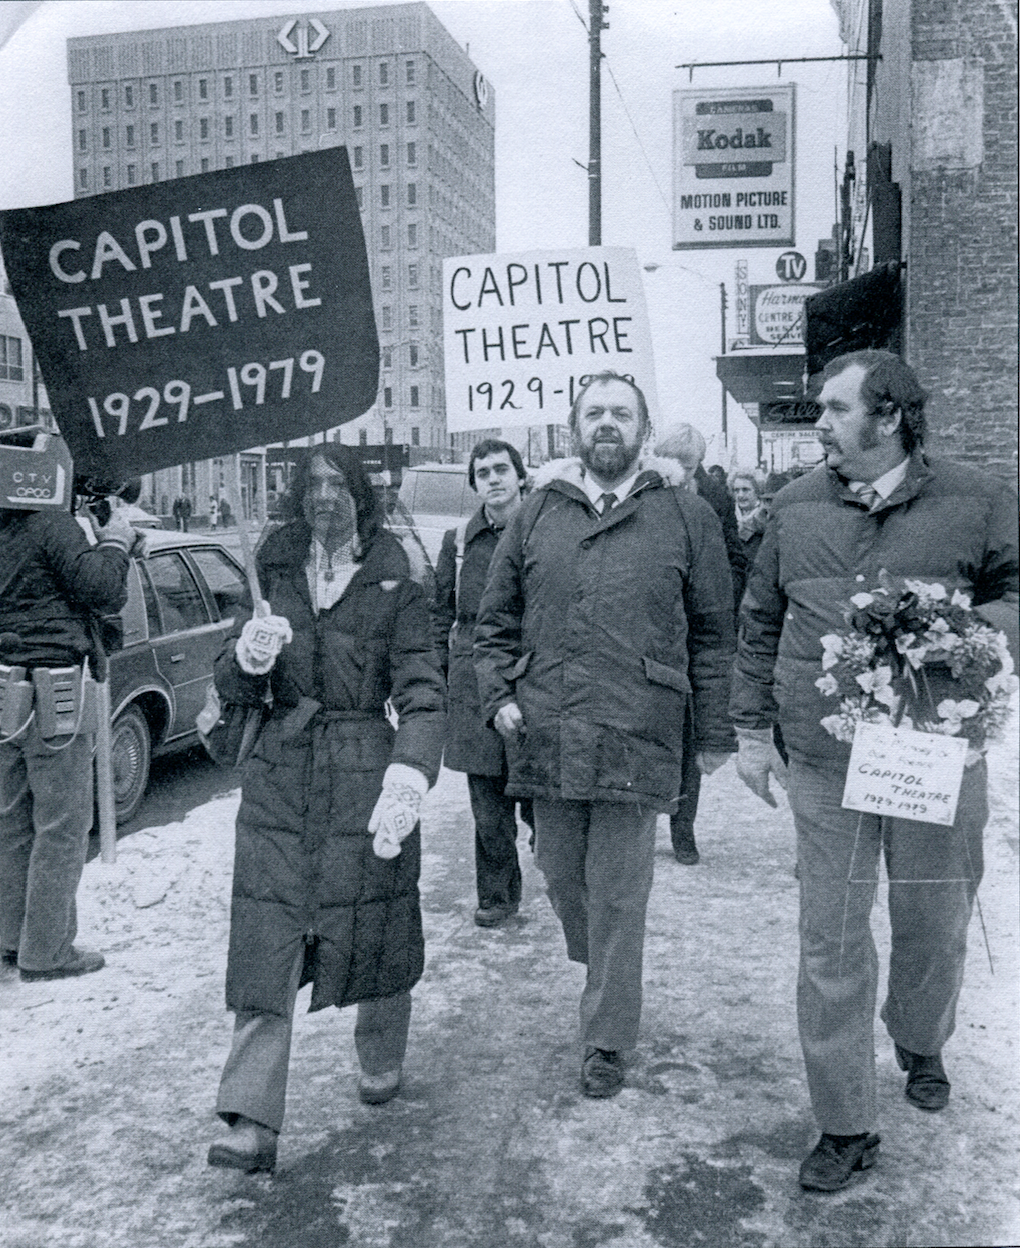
{"points": [[879, 502], [609, 586]]}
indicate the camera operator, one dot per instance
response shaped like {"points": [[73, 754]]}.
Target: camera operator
{"points": [[54, 587]]}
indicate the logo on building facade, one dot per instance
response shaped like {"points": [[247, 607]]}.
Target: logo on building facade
{"points": [[481, 89], [304, 48]]}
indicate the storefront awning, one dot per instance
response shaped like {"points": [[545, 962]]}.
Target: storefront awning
{"points": [[767, 378], [863, 313]]}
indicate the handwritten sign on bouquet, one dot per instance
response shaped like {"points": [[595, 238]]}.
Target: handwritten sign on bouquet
{"points": [[905, 774]]}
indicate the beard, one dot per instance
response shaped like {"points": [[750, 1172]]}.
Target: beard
{"points": [[609, 459]]}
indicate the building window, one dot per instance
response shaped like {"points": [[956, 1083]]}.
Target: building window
{"points": [[83, 178], [387, 357], [154, 94], [386, 277], [412, 154], [154, 133], [412, 354], [330, 118], [178, 92], [155, 171], [384, 195], [387, 397], [129, 136], [306, 80], [384, 74], [107, 176], [253, 84], [410, 112], [410, 73], [412, 194], [357, 116], [384, 237], [388, 435], [279, 123], [131, 175], [412, 275], [11, 365], [363, 437], [205, 164], [278, 82], [179, 131], [254, 158], [384, 155], [356, 75], [384, 114], [306, 121], [331, 78], [253, 123], [179, 168], [359, 194], [83, 140], [228, 88], [279, 156], [228, 162], [412, 315], [203, 88], [387, 316], [104, 99], [106, 136], [412, 236], [129, 96], [414, 428], [359, 158], [203, 127], [228, 127], [81, 102]]}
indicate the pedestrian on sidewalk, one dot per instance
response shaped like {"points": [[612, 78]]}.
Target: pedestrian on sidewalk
{"points": [[609, 598], [328, 848], [685, 444], [54, 588], [496, 474], [879, 504]]}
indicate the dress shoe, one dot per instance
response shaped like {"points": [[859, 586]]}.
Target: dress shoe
{"points": [[378, 1089], [9, 957], [601, 1072], [81, 962], [248, 1146], [831, 1163], [685, 849], [492, 916], [927, 1084]]}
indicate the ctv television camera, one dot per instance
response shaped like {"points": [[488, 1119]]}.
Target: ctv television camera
{"points": [[36, 473]]}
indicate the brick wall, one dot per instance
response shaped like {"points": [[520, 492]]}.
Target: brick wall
{"points": [[962, 260]]}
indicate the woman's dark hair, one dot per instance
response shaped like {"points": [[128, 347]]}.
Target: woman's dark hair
{"points": [[493, 446], [346, 460]]}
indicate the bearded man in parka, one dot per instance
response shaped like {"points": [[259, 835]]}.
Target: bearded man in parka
{"points": [[608, 606], [317, 897]]}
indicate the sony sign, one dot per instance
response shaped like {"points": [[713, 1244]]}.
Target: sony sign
{"points": [[733, 167]]}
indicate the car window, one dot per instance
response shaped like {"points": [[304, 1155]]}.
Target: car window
{"points": [[133, 612], [180, 602], [438, 493], [151, 605], [225, 580]]}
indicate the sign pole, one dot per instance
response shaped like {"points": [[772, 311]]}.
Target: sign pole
{"points": [[247, 554]]}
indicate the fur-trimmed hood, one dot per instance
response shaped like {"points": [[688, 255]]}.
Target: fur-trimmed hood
{"points": [[571, 471]]}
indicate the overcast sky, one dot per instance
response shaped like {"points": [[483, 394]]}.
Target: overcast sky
{"points": [[535, 55]]}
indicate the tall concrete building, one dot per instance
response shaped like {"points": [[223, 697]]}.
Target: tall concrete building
{"points": [[389, 83]]}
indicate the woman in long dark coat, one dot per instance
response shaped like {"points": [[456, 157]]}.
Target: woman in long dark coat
{"points": [[328, 850]]}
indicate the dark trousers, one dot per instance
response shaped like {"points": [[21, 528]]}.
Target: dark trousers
{"points": [[681, 825], [497, 871]]}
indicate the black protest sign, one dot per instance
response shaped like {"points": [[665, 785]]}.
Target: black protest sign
{"points": [[199, 316]]}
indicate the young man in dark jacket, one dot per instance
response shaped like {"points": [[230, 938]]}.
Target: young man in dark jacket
{"points": [[496, 474], [608, 606], [53, 584], [879, 505]]}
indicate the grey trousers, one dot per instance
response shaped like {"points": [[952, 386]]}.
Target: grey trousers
{"points": [[45, 817], [254, 1079], [933, 876], [598, 861]]}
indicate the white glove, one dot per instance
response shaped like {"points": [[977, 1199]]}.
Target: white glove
{"points": [[116, 532], [508, 721], [757, 756], [261, 640], [396, 812]]}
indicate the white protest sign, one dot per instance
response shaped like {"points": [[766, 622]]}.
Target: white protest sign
{"points": [[905, 774], [523, 332]]}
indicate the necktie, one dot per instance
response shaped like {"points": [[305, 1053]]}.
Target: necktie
{"points": [[608, 502], [868, 495]]}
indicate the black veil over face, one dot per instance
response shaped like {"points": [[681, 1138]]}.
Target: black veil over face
{"points": [[346, 460]]}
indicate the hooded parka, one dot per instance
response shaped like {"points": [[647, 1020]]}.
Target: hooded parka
{"points": [[601, 627], [304, 869]]}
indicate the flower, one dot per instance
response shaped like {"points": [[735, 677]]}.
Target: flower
{"points": [[960, 600], [828, 684], [955, 712], [876, 681], [863, 600], [832, 644]]}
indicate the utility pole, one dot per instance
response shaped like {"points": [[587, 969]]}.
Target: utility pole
{"points": [[596, 25], [722, 351]]}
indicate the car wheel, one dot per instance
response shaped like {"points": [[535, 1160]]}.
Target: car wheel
{"points": [[131, 751]]}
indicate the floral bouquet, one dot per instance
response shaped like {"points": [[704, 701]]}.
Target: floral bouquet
{"points": [[899, 636]]}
